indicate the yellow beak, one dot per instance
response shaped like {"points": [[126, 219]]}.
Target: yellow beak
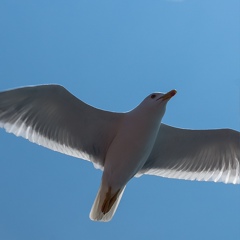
{"points": [[168, 95]]}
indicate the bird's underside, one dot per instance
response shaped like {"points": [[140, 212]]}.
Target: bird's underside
{"points": [[52, 117]]}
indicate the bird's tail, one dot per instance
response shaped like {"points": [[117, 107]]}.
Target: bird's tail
{"points": [[105, 204]]}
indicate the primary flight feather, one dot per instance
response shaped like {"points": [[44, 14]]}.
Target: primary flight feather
{"points": [[123, 145]]}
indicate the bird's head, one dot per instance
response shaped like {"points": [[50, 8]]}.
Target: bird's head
{"points": [[156, 100], [156, 103]]}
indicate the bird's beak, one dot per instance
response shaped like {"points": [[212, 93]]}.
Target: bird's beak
{"points": [[168, 95]]}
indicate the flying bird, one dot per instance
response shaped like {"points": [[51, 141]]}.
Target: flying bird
{"points": [[123, 145]]}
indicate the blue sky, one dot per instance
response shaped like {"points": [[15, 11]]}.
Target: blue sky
{"points": [[111, 54]]}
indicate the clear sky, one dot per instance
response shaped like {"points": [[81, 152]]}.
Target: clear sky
{"points": [[111, 54]]}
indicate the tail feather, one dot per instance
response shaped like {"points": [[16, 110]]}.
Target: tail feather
{"points": [[105, 204]]}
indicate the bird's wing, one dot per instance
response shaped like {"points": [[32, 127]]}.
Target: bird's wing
{"points": [[52, 117], [203, 155]]}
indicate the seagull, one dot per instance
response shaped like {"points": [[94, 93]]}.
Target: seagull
{"points": [[122, 145]]}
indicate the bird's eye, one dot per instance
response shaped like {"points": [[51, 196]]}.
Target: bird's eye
{"points": [[153, 96]]}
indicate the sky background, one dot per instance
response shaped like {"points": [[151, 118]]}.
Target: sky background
{"points": [[111, 54]]}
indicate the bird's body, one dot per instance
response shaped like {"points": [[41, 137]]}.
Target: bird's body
{"points": [[123, 145], [137, 129]]}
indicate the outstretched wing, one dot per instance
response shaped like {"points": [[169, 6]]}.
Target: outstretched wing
{"points": [[203, 155], [52, 117]]}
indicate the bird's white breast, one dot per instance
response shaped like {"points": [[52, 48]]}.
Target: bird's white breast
{"points": [[130, 149]]}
